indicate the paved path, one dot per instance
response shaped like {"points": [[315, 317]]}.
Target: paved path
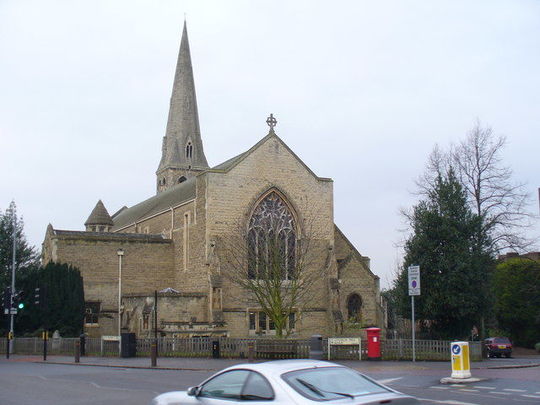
{"points": [[209, 364]]}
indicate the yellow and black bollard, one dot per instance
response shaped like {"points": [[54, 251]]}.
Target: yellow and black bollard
{"points": [[45, 337], [8, 343]]}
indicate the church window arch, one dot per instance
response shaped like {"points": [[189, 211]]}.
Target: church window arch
{"points": [[271, 239], [189, 150], [182, 179], [354, 308]]}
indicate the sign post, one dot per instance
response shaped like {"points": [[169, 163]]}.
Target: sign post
{"points": [[345, 342], [414, 289]]}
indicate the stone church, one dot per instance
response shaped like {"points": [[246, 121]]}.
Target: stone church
{"points": [[175, 241]]}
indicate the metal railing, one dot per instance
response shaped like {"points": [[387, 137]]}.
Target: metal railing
{"points": [[263, 348]]}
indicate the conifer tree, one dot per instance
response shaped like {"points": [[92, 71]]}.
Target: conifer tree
{"points": [[454, 270], [26, 256], [64, 309]]}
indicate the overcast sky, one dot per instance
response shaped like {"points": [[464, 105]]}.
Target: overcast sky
{"points": [[362, 91]]}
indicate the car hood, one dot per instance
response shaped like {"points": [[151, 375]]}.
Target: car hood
{"points": [[172, 398]]}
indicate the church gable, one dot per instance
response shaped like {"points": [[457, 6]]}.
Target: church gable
{"points": [[236, 185], [277, 142]]}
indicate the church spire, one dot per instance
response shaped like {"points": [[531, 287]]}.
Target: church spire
{"points": [[182, 150]]}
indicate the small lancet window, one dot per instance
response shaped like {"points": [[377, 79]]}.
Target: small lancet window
{"points": [[181, 179], [354, 307], [189, 150]]}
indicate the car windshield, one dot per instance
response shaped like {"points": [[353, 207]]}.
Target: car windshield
{"points": [[501, 340], [325, 383]]}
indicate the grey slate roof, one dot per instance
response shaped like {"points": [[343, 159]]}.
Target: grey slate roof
{"points": [[99, 216], [229, 163], [170, 198], [184, 191], [142, 237]]}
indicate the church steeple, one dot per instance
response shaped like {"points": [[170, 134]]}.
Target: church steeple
{"points": [[182, 150]]}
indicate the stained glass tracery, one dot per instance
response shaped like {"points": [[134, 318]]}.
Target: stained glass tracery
{"points": [[271, 239]]}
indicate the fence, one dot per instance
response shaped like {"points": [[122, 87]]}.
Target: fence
{"points": [[391, 349], [401, 349]]}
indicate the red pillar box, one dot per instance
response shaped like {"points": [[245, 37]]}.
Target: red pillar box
{"points": [[373, 343]]}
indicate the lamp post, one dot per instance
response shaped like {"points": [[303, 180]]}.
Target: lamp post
{"points": [[120, 253]]}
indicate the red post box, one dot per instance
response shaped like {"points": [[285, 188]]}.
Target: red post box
{"points": [[373, 343]]}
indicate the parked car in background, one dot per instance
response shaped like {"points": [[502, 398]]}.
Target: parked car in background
{"points": [[498, 346], [287, 382]]}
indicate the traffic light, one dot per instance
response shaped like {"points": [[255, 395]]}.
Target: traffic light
{"points": [[7, 299], [40, 296], [18, 300]]}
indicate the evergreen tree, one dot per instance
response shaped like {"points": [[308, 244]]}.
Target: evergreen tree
{"points": [[454, 268], [517, 290], [26, 256], [65, 300]]}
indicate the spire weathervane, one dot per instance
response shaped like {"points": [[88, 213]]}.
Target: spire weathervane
{"points": [[271, 121]]}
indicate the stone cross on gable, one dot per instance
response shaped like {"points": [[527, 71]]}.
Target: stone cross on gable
{"points": [[271, 121]]}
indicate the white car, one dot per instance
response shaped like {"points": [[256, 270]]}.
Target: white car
{"points": [[287, 382]]}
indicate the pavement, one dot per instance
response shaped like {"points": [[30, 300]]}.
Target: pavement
{"points": [[211, 364]]}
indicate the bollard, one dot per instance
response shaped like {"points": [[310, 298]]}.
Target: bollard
{"points": [[82, 340], [251, 351], [153, 354], [45, 336], [77, 351], [461, 367], [215, 349]]}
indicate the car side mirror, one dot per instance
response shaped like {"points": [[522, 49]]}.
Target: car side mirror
{"points": [[193, 391]]}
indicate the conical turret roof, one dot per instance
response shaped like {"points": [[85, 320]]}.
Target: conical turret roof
{"points": [[99, 216]]}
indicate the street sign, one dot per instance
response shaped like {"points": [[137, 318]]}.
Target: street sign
{"points": [[414, 280], [13, 311]]}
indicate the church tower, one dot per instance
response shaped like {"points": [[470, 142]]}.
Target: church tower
{"points": [[182, 154]]}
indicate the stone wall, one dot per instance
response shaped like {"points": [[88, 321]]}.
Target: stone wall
{"points": [[355, 277], [147, 265], [233, 194]]}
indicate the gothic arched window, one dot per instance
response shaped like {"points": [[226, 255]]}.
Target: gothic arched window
{"points": [[354, 308], [271, 240], [189, 150]]}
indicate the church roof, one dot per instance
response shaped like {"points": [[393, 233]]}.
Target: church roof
{"points": [[107, 236], [186, 191], [99, 216], [170, 198]]}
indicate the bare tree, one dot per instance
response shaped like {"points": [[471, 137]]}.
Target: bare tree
{"points": [[272, 259], [494, 196], [500, 202]]}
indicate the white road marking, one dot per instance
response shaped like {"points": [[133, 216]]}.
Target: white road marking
{"points": [[447, 401], [530, 396], [500, 393], [468, 390], [513, 390], [389, 380], [483, 387], [440, 388]]}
